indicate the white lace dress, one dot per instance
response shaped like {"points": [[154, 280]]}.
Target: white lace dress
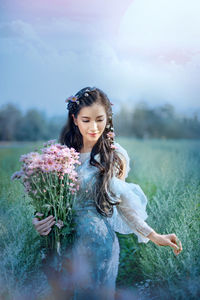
{"points": [[96, 251]]}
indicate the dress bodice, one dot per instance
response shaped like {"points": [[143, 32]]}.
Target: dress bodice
{"points": [[87, 176]]}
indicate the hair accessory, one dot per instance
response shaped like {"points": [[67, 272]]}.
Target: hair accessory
{"points": [[110, 134], [73, 99], [112, 146], [72, 103]]}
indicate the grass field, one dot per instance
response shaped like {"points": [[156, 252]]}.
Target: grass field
{"points": [[168, 171]]}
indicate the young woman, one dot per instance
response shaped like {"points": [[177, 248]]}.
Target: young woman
{"points": [[105, 202]]}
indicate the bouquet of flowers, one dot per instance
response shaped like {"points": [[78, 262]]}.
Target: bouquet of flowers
{"points": [[50, 179]]}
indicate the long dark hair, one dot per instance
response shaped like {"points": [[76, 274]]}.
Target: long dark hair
{"points": [[109, 159]]}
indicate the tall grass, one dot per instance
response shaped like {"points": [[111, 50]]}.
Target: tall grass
{"points": [[168, 172], [20, 258]]}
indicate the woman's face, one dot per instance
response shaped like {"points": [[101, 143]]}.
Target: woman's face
{"points": [[91, 122]]}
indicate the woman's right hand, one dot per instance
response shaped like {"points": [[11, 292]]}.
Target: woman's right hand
{"points": [[43, 227], [166, 240]]}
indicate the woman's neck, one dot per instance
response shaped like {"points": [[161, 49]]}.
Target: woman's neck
{"points": [[82, 152], [86, 149]]}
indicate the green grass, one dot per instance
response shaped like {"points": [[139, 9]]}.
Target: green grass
{"points": [[19, 243], [168, 171], [169, 174]]}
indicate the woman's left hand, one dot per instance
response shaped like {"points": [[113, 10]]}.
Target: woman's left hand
{"points": [[166, 240]]}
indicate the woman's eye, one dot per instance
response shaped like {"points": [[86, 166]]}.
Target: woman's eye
{"points": [[97, 121]]}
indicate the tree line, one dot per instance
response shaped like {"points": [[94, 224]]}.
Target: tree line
{"points": [[140, 122], [159, 122]]}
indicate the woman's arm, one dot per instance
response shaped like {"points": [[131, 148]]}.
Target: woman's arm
{"points": [[158, 239]]}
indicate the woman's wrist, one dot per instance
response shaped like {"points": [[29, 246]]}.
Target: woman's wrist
{"points": [[153, 236]]}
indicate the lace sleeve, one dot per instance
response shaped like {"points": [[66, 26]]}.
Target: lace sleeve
{"points": [[130, 215]]}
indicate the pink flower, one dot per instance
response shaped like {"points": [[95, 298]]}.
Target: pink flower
{"points": [[59, 224], [56, 160], [39, 214], [112, 146], [17, 175], [110, 134], [71, 98]]}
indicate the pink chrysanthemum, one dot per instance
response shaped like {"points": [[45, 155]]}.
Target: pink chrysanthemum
{"points": [[110, 134], [50, 179], [112, 146]]}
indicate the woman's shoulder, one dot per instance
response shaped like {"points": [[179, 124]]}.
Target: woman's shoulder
{"points": [[121, 150], [124, 155]]}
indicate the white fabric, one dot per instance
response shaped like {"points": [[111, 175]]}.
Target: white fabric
{"points": [[130, 215], [121, 151]]}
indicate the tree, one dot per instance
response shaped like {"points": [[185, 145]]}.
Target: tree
{"points": [[33, 126], [10, 118]]}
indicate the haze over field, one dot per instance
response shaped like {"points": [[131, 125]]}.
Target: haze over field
{"points": [[133, 50]]}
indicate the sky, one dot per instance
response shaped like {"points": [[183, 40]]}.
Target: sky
{"points": [[134, 50]]}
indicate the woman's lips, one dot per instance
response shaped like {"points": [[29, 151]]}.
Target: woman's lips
{"points": [[93, 134]]}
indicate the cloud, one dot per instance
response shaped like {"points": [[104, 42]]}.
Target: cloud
{"points": [[17, 29], [46, 62], [161, 27]]}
